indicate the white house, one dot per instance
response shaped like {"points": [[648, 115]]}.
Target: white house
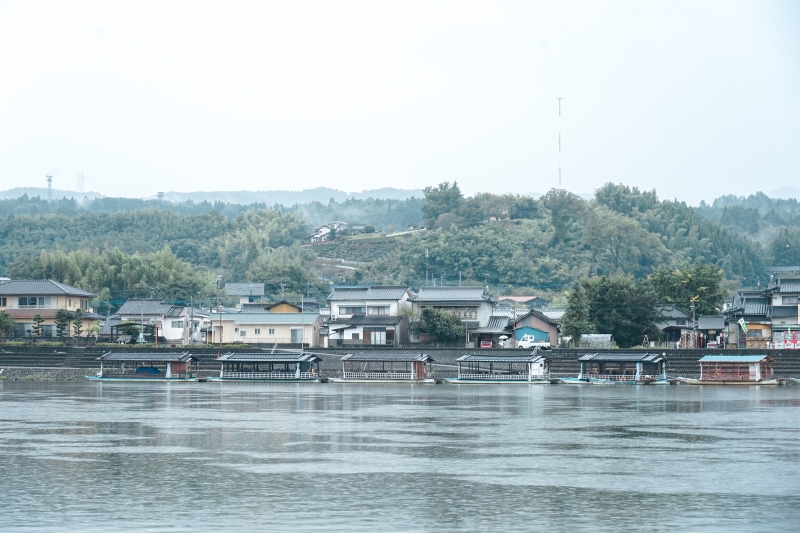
{"points": [[368, 315], [471, 304]]}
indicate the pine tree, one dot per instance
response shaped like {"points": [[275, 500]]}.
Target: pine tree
{"points": [[576, 320], [77, 323], [37, 325], [62, 322]]}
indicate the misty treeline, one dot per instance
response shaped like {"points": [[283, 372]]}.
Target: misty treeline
{"points": [[121, 247]]}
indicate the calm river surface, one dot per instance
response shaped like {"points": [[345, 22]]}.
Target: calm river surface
{"points": [[242, 457]]}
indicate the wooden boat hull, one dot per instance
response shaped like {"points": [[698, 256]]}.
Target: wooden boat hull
{"points": [[153, 380], [488, 381], [690, 381], [246, 380], [382, 381]]}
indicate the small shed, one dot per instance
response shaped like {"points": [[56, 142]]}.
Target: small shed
{"points": [[142, 366], [386, 367], [735, 368], [264, 366], [501, 369], [623, 367]]}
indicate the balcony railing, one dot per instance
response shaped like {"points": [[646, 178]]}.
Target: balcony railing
{"points": [[43, 306], [267, 375], [611, 377], [378, 375]]}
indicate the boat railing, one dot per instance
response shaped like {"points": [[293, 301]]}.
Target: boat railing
{"points": [[267, 375], [611, 377], [510, 377], [147, 375], [378, 375]]}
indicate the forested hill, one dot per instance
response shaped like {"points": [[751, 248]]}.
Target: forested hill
{"points": [[123, 247]]}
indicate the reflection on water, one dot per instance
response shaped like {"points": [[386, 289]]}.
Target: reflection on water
{"points": [[240, 457]]}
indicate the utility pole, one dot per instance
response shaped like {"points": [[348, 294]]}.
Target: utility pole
{"points": [[49, 178], [559, 140], [459, 278], [219, 311], [426, 267], [282, 288], [191, 317], [694, 328]]}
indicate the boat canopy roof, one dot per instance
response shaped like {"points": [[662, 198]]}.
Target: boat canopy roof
{"points": [[149, 357], [266, 357], [472, 358], [734, 358], [388, 357], [622, 358]]}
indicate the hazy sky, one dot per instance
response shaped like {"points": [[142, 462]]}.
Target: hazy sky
{"points": [[696, 99]]}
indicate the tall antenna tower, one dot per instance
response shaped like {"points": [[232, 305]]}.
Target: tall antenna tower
{"points": [[80, 182], [49, 178], [160, 195], [559, 140]]}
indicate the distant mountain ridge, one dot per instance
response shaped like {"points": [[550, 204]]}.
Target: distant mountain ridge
{"points": [[286, 198]]}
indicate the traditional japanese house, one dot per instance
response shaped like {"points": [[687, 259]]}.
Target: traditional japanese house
{"points": [[146, 366], [609, 368], [501, 369], [381, 367], [269, 367], [734, 370]]}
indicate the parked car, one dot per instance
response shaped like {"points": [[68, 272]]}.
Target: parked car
{"points": [[528, 341]]}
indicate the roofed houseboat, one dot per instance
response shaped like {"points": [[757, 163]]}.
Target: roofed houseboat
{"points": [[269, 367], [380, 367], [476, 369], [616, 368], [146, 366], [734, 370]]}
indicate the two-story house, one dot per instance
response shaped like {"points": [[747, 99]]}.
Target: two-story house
{"points": [[22, 300], [287, 328], [368, 315], [471, 304]]}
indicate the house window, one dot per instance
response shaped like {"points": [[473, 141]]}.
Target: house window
{"points": [[789, 300], [352, 310], [33, 302], [272, 331], [355, 336], [177, 323], [235, 329], [680, 322], [258, 331], [382, 310], [69, 302], [85, 305], [243, 333], [2, 302]]}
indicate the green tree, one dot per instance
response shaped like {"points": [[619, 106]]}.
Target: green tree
{"points": [[444, 198], [689, 283], [624, 308], [7, 325], [369, 228], [62, 322], [784, 250], [37, 325], [77, 323], [440, 324], [566, 211], [576, 320]]}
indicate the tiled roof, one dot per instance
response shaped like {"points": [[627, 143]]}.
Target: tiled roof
{"points": [[174, 312], [789, 285], [382, 356], [367, 320], [471, 358], [147, 356], [144, 306], [755, 306], [711, 322], [266, 357], [671, 311], [623, 357], [373, 292], [553, 314], [244, 289], [451, 294], [497, 322], [783, 311], [41, 287], [540, 314], [267, 318], [255, 308]]}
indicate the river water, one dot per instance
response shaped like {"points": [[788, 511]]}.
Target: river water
{"points": [[245, 457]]}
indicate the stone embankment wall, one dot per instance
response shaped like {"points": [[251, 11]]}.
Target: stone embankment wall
{"points": [[77, 361]]}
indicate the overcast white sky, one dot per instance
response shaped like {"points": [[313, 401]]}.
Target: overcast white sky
{"points": [[696, 99]]}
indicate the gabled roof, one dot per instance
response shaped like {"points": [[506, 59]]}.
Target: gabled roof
{"points": [[496, 324], [266, 357], [538, 314], [165, 357], [733, 358], [622, 357], [41, 287], [785, 285], [783, 311], [451, 294], [553, 314], [671, 312], [388, 357], [244, 289], [145, 306], [711, 322], [373, 292]]}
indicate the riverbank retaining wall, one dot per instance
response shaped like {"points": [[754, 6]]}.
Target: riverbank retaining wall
{"points": [[562, 361]]}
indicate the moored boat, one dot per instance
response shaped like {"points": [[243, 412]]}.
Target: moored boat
{"points": [[385, 367], [620, 369], [507, 369], [285, 367], [146, 366], [734, 370]]}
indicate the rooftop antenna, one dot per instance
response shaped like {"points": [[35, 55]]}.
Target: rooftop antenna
{"points": [[559, 140], [49, 178], [80, 182]]}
